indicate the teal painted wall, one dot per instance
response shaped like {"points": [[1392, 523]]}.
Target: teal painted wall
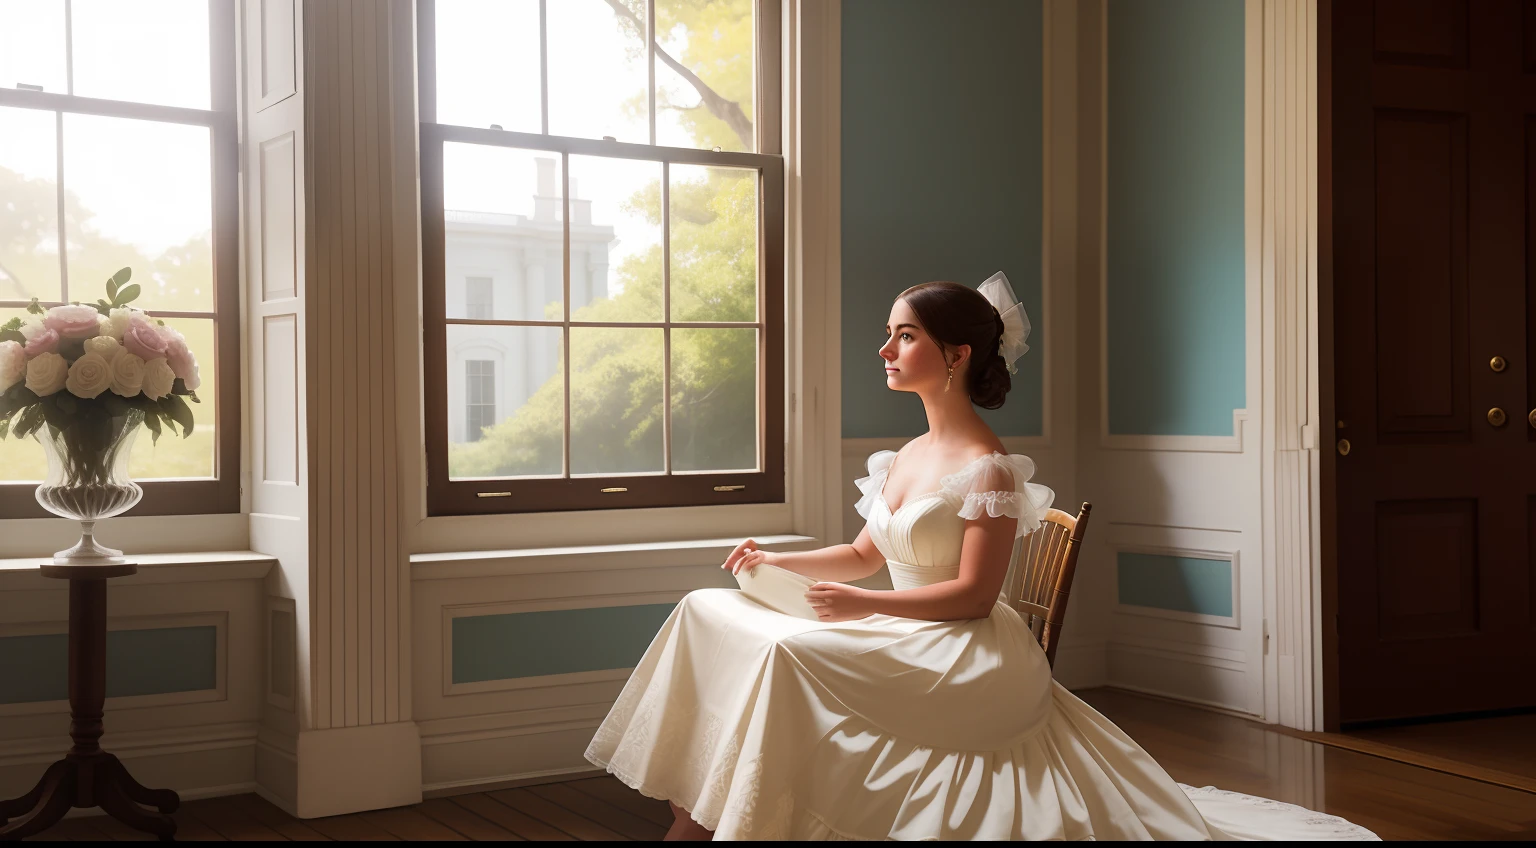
{"points": [[139, 662], [531, 644], [1182, 584], [942, 180], [1175, 218]]}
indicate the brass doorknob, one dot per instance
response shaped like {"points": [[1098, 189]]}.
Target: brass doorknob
{"points": [[1497, 364], [1344, 443], [1496, 417], [1532, 418]]}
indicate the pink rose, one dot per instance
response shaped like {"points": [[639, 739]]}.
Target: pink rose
{"points": [[143, 339], [43, 341], [178, 356], [73, 322]]}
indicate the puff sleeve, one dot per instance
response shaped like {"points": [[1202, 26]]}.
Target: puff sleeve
{"points": [[869, 486], [996, 486]]}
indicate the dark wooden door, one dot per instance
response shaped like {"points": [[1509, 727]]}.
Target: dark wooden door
{"points": [[1434, 164]]}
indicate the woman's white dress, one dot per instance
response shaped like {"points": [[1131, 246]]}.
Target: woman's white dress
{"points": [[767, 726]]}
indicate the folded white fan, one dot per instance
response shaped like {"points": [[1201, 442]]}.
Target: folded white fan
{"points": [[778, 589]]}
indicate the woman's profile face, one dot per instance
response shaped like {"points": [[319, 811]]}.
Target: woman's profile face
{"points": [[913, 361]]}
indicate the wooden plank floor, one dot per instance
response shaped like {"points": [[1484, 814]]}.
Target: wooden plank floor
{"points": [[1199, 747], [1503, 743]]}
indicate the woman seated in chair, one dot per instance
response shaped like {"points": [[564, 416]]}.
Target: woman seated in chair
{"points": [[923, 712]]}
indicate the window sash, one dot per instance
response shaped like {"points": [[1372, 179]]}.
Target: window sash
{"points": [[446, 496], [220, 494]]}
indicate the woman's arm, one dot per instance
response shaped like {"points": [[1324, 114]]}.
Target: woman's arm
{"points": [[984, 558], [839, 563]]}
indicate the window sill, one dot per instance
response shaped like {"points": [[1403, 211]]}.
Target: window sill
{"points": [[468, 564], [22, 574]]}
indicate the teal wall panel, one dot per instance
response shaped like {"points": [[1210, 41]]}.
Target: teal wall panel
{"points": [[532, 644], [1176, 318], [1180, 584], [941, 180], [139, 662]]}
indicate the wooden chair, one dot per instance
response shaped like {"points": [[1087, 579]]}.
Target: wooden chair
{"points": [[1046, 565]]}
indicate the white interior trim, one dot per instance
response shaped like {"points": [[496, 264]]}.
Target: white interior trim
{"points": [[1282, 83]]}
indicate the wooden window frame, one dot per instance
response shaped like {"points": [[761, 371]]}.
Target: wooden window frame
{"points": [[446, 496], [221, 493]]}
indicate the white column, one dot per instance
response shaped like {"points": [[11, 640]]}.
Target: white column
{"points": [[1291, 470], [341, 739]]}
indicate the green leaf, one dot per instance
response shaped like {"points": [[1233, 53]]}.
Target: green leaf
{"points": [[152, 421], [114, 404], [35, 308], [55, 416], [123, 275], [111, 289], [30, 419], [127, 295], [177, 410], [9, 335], [66, 403], [103, 307], [13, 324]]}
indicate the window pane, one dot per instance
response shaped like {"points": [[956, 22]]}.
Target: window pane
{"points": [[597, 76], [173, 456], [713, 105], [512, 378], [22, 460], [32, 44], [714, 399], [616, 424], [29, 206], [139, 194], [504, 221], [714, 243], [147, 51], [488, 64], [615, 239]]}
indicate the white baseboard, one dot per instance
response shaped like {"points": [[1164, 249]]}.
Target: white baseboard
{"points": [[201, 761], [352, 769], [1199, 678], [517, 750]]}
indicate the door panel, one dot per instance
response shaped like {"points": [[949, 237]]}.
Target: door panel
{"points": [[1434, 103]]}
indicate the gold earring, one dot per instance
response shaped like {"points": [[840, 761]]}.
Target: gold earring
{"points": [[950, 379]]}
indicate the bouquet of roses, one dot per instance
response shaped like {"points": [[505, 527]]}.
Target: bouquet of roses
{"points": [[90, 372]]}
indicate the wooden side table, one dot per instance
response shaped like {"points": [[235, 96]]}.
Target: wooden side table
{"points": [[88, 776]]}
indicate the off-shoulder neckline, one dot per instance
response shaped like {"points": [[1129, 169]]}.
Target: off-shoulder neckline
{"points": [[939, 491]]}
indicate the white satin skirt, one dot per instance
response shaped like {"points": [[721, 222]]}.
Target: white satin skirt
{"points": [[768, 726]]}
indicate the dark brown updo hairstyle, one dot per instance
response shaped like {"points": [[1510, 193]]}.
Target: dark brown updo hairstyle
{"points": [[954, 315]]}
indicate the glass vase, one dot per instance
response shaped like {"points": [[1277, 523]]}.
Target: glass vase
{"points": [[88, 478]]}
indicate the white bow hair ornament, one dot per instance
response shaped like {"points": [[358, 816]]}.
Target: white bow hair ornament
{"points": [[1015, 322]]}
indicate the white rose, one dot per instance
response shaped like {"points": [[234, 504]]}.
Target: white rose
{"points": [[46, 373], [89, 376], [115, 323], [13, 365], [127, 375], [108, 347], [158, 378]]}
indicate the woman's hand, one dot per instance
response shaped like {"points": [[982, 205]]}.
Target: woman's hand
{"points": [[746, 557], [840, 602]]}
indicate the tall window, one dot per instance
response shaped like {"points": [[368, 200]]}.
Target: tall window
{"points": [[478, 303], [118, 148], [479, 397], [616, 163]]}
